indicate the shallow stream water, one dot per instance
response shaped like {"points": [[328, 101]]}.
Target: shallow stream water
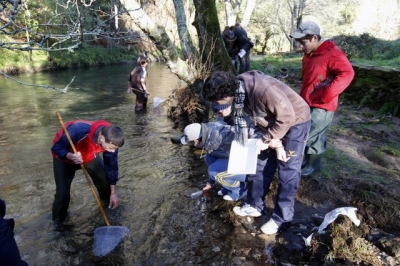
{"points": [[155, 173]]}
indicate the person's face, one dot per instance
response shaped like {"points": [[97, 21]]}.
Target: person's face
{"points": [[308, 46], [106, 145], [225, 112], [226, 100]]}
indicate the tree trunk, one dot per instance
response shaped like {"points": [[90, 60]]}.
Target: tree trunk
{"points": [[188, 49], [247, 13], [231, 12], [211, 45], [161, 40]]}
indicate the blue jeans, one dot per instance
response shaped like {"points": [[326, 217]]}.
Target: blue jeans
{"points": [[289, 174], [232, 185]]}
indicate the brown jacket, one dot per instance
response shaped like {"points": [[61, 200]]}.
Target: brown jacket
{"points": [[274, 106]]}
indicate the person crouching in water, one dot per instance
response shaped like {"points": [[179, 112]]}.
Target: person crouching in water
{"points": [[137, 83], [91, 138], [216, 138]]}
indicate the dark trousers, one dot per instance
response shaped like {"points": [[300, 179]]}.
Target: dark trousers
{"points": [[244, 63], [289, 174], [64, 174]]}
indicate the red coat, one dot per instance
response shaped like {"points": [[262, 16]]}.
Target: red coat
{"points": [[86, 145], [326, 74]]}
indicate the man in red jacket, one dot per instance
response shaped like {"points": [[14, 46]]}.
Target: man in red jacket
{"points": [[90, 139], [326, 73]]}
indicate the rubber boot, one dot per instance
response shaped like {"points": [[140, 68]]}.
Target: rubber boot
{"points": [[306, 158], [312, 166]]}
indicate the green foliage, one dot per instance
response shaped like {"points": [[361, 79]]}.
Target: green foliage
{"points": [[89, 56], [390, 108], [366, 48], [15, 62], [276, 65]]}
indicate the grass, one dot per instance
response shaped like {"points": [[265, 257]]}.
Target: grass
{"points": [[18, 62], [14, 62]]}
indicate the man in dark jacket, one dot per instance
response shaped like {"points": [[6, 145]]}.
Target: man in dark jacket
{"points": [[9, 252], [284, 119], [238, 46], [326, 73]]}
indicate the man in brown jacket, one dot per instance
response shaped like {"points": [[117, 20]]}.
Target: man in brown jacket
{"points": [[284, 120]]}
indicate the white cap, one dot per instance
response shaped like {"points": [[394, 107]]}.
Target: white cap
{"points": [[191, 132]]}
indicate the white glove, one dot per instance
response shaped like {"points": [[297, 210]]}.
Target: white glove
{"points": [[241, 53]]}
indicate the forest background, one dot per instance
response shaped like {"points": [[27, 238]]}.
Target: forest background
{"points": [[51, 34]]}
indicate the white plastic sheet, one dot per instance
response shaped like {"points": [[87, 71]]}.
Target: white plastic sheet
{"points": [[331, 216], [243, 160]]}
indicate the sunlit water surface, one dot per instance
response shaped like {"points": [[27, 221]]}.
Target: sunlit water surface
{"points": [[154, 172]]}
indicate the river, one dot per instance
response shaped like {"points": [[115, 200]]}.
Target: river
{"points": [[166, 228]]}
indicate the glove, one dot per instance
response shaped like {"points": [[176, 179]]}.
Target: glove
{"points": [[241, 53]]}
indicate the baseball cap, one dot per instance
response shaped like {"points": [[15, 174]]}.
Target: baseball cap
{"points": [[191, 132], [307, 27], [219, 107]]}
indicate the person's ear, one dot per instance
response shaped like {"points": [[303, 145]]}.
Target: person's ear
{"points": [[101, 138]]}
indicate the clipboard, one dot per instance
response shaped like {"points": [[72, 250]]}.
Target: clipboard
{"points": [[243, 159]]}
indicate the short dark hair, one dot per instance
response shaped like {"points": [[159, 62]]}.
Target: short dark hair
{"points": [[113, 134], [142, 60], [220, 85]]}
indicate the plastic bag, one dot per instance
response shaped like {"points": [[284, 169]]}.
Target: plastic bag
{"points": [[157, 101], [331, 216]]}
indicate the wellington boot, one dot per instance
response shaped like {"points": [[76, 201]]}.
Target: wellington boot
{"points": [[306, 158], [312, 166]]}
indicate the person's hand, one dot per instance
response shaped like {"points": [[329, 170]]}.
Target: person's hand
{"points": [[207, 187], [75, 157], [114, 201], [198, 144], [260, 145], [275, 143], [146, 93], [281, 154]]}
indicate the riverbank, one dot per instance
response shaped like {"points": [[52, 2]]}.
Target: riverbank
{"points": [[18, 62], [361, 170]]}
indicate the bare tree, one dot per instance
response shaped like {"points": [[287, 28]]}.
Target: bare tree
{"points": [[184, 36], [232, 11], [248, 12]]}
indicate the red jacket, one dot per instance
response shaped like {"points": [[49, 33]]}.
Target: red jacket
{"points": [[85, 145], [326, 74]]}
